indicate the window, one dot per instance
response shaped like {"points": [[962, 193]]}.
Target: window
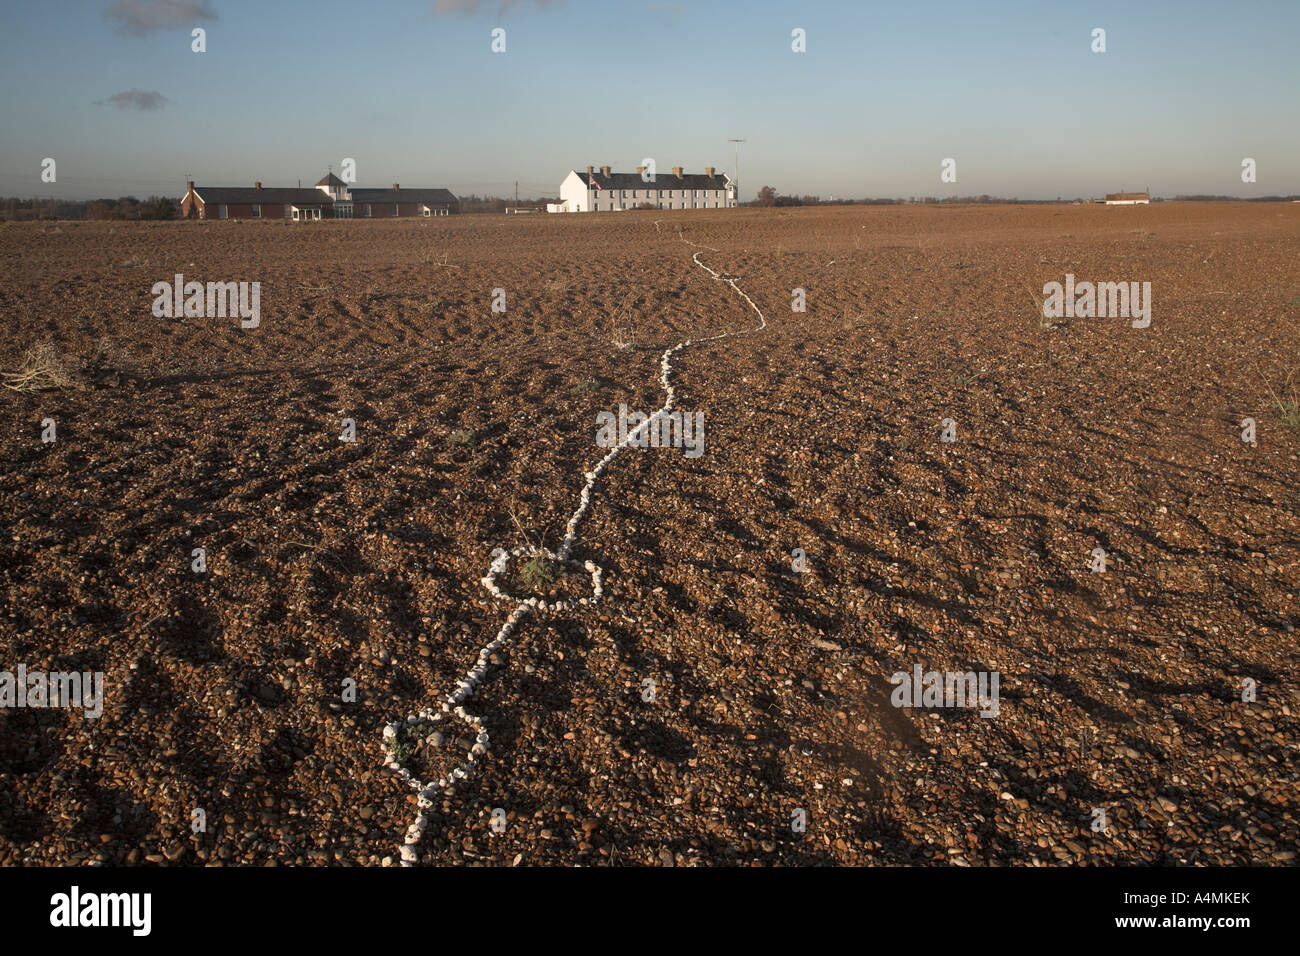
{"points": [[367, 210], [395, 212], [257, 211], [221, 211]]}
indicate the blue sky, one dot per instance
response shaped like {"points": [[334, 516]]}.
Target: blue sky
{"points": [[412, 91]]}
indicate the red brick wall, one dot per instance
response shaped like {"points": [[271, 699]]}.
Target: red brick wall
{"points": [[212, 210], [384, 210]]}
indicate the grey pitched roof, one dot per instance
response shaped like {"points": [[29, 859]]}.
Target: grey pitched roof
{"points": [[403, 195], [662, 180], [331, 180], [232, 195]]}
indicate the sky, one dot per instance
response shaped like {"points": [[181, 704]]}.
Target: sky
{"points": [[883, 93]]}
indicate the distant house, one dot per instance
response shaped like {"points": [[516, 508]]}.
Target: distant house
{"points": [[236, 202], [605, 191], [331, 198], [1129, 199], [388, 203]]}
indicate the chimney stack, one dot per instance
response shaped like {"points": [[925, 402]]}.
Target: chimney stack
{"points": [[708, 170], [396, 187], [590, 170], [604, 170], [640, 169], [677, 171], [189, 185], [257, 185]]}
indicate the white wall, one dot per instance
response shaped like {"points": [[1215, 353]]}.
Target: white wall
{"points": [[663, 193], [573, 192]]}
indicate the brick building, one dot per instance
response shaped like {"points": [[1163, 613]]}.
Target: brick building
{"points": [[331, 198]]}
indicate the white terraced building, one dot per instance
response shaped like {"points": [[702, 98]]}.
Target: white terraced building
{"points": [[1129, 199], [599, 190]]}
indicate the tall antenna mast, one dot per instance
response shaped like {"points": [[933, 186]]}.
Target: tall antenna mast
{"points": [[737, 142]]}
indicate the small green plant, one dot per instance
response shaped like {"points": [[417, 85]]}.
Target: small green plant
{"points": [[1295, 301], [964, 381], [540, 573], [1287, 400], [462, 438], [902, 445], [1288, 410], [402, 748], [588, 386]]}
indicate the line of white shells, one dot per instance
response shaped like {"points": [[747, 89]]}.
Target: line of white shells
{"points": [[453, 705], [498, 567]]}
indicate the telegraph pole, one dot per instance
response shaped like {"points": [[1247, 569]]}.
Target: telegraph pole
{"points": [[737, 142]]}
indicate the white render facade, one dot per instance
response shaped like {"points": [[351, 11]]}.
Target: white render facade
{"points": [[600, 190], [1129, 199]]}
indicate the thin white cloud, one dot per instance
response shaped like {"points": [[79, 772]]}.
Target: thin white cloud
{"points": [[145, 16]]}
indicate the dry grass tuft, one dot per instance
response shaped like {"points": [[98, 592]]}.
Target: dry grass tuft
{"points": [[1046, 322], [1286, 399], [624, 335], [42, 368]]}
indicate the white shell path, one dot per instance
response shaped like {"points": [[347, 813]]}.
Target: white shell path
{"points": [[453, 705]]}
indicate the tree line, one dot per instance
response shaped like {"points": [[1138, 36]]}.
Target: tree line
{"points": [[162, 207], [767, 196], [126, 207]]}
